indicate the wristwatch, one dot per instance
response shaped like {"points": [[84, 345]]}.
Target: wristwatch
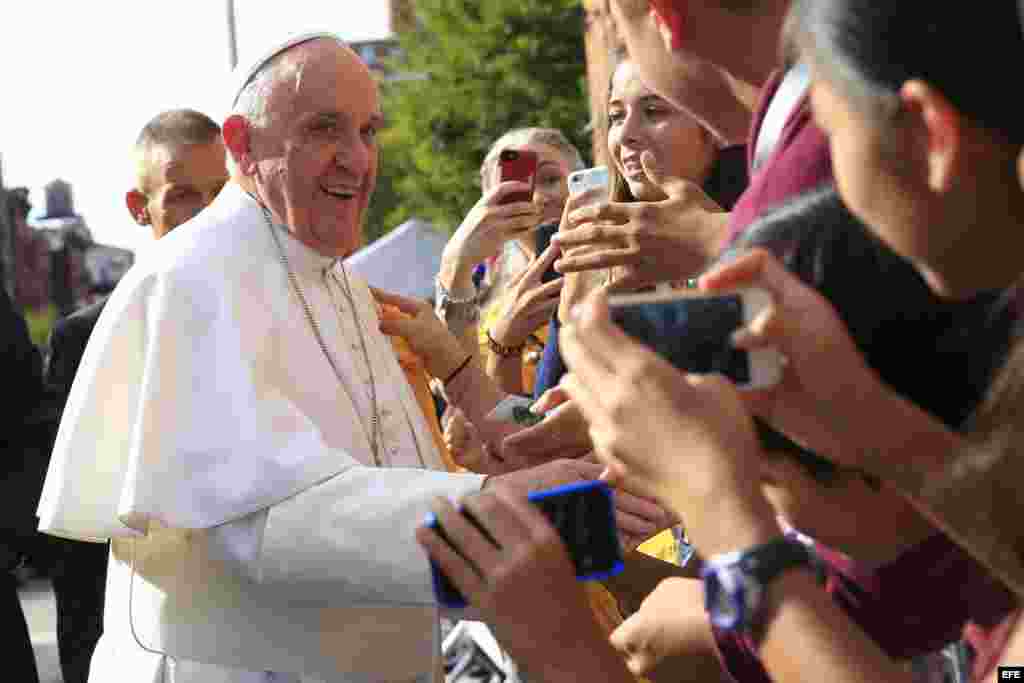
{"points": [[451, 310], [734, 583]]}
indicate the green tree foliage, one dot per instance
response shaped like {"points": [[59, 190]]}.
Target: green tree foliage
{"points": [[474, 69]]}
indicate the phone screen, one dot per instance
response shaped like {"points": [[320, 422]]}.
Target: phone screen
{"points": [[584, 516], [542, 239], [692, 333]]}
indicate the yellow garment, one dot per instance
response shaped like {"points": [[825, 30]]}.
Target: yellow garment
{"points": [[419, 381], [532, 352]]}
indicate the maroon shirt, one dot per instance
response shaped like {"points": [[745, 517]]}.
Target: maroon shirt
{"points": [[912, 606], [799, 162]]}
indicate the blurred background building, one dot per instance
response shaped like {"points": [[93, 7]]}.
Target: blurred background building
{"points": [[49, 261]]}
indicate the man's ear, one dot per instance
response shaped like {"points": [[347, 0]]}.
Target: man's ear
{"points": [[136, 203], [237, 140], [939, 127]]}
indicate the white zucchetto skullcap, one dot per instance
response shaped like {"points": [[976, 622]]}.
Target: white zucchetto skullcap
{"points": [[245, 72]]}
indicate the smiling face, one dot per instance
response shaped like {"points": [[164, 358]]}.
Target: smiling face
{"points": [[314, 164], [640, 120]]}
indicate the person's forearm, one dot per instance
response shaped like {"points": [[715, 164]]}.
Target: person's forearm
{"points": [[576, 288], [506, 371], [807, 637], [456, 277], [473, 392], [641, 574], [919, 445]]}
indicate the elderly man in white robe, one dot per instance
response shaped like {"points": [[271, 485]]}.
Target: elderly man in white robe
{"points": [[240, 428]]}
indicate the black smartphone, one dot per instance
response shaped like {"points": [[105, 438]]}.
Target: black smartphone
{"points": [[584, 516], [694, 332], [542, 239]]}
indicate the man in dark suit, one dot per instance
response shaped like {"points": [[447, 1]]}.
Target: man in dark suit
{"points": [[180, 168], [24, 444]]}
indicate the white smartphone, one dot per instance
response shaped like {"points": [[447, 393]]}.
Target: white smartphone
{"points": [[693, 331], [589, 179]]}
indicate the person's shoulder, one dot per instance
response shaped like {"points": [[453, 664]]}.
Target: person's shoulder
{"points": [[223, 238]]}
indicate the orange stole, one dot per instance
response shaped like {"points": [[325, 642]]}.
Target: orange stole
{"points": [[416, 375]]}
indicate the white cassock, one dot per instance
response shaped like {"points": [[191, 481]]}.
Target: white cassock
{"points": [[207, 435]]}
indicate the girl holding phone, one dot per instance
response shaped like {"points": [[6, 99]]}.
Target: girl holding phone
{"points": [[927, 156]]}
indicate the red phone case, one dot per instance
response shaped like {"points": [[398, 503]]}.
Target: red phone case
{"points": [[522, 168]]}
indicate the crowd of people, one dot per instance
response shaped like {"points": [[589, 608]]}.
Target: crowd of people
{"points": [[250, 437]]}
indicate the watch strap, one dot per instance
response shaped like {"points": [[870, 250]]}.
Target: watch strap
{"points": [[735, 582]]}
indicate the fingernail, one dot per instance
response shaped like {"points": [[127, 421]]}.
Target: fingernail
{"points": [[576, 312]]}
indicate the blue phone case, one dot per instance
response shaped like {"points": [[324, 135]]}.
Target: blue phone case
{"points": [[588, 566]]}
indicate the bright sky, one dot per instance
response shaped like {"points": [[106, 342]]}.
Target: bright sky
{"points": [[80, 79]]}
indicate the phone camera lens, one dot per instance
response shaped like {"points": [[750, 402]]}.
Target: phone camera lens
{"points": [[509, 155]]}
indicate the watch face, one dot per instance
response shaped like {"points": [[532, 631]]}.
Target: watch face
{"points": [[724, 605]]}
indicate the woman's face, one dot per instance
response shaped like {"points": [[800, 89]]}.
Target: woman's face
{"points": [[640, 120], [551, 188], [551, 185]]}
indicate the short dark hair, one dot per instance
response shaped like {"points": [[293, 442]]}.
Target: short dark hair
{"points": [[871, 48], [178, 127], [172, 128]]}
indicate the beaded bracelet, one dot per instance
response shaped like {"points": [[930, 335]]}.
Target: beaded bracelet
{"points": [[503, 351]]}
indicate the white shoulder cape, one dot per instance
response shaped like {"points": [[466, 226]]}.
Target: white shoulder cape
{"points": [[201, 396]]}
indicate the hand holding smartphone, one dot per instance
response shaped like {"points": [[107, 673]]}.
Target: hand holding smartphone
{"points": [[584, 516], [542, 240], [693, 332], [588, 179]]}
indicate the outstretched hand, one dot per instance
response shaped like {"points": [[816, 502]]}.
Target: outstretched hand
{"points": [[561, 434], [425, 333], [645, 243], [638, 517], [529, 302]]}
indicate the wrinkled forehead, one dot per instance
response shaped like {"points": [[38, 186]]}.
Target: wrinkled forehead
{"points": [[183, 163], [324, 77]]}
